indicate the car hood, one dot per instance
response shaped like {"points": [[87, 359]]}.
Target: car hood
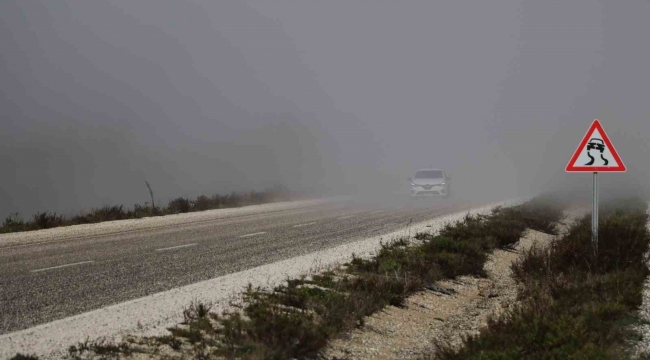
{"points": [[428, 181]]}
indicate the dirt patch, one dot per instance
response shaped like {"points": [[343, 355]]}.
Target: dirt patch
{"points": [[404, 333]]}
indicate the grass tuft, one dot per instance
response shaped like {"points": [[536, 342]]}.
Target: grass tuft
{"points": [[24, 357], [103, 349], [46, 220], [297, 318], [575, 304]]}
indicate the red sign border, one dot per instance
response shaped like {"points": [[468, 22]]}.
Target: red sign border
{"points": [[571, 165]]}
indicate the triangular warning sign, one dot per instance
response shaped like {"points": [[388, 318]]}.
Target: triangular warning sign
{"points": [[596, 153]]}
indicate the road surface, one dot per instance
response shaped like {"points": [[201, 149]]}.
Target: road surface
{"points": [[44, 281]]}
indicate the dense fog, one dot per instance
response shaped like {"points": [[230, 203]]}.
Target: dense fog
{"points": [[325, 97]]}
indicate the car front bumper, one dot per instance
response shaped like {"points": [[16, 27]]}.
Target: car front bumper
{"points": [[419, 191]]}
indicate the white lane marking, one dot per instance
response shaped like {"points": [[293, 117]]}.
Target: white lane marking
{"points": [[176, 247], [62, 266], [160, 307], [301, 225], [253, 234], [346, 217]]}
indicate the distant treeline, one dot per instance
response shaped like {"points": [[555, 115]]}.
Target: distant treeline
{"points": [[47, 220]]}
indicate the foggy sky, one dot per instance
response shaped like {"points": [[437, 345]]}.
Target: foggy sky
{"points": [[328, 97]]}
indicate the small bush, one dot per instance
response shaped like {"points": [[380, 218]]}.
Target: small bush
{"points": [[140, 211], [179, 205], [576, 304], [623, 242], [505, 226], [626, 204], [172, 341], [296, 319], [203, 203], [106, 213], [196, 310], [24, 357], [46, 220], [192, 335], [13, 223], [104, 349]]}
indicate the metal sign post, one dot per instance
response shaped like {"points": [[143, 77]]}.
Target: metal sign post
{"points": [[595, 154], [594, 216]]}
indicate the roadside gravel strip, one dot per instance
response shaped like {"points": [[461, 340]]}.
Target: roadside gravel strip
{"points": [[409, 332], [153, 314]]}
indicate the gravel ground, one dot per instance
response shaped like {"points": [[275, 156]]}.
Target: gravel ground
{"points": [[151, 315], [429, 317], [409, 332]]}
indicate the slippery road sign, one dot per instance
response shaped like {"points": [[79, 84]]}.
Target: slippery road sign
{"points": [[596, 153]]}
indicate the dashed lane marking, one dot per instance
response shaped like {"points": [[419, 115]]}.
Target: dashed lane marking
{"points": [[301, 225], [176, 247], [62, 266], [253, 234]]}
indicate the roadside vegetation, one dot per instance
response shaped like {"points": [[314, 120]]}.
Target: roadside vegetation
{"points": [[298, 318], [576, 304], [47, 220]]}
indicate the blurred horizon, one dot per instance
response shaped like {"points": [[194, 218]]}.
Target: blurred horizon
{"points": [[325, 98]]}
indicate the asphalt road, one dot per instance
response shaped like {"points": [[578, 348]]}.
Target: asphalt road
{"points": [[46, 281]]}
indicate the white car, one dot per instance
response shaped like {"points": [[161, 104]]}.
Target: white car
{"points": [[430, 182]]}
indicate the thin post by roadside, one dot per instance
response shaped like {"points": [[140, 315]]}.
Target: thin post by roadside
{"points": [[595, 154], [153, 203], [594, 216]]}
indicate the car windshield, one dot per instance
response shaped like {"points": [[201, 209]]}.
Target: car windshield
{"points": [[429, 174]]}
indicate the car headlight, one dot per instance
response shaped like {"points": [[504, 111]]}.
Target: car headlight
{"points": [[412, 184], [442, 183]]}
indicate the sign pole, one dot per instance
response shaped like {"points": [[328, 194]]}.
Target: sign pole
{"points": [[595, 154], [594, 216]]}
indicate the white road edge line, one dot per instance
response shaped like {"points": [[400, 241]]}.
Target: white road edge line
{"points": [[301, 225], [153, 314], [176, 247], [253, 234], [62, 266], [346, 217]]}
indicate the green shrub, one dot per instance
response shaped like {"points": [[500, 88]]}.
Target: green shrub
{"points": [[622, 242], [576, 304], [178, 205], [24, 357], [106, 213], [13, 223], [203, 203], [296, 319], [46, 220]]}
